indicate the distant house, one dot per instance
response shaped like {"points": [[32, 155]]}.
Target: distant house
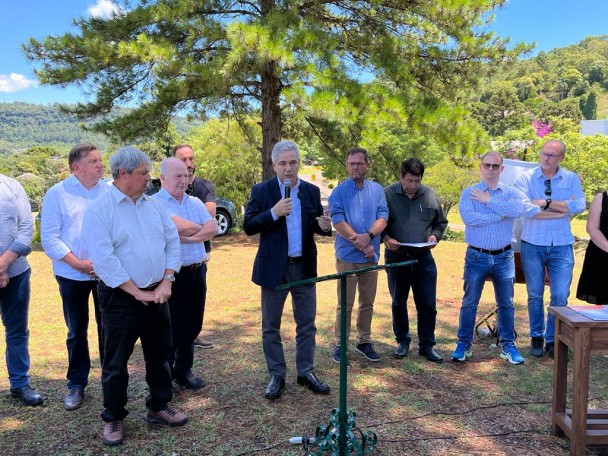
{"points": [[591, 127]]}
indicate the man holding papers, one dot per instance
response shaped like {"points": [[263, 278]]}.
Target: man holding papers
{"points": [[415, 217]]}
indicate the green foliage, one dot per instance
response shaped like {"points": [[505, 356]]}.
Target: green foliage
{"points": [[210, 56], [451, 235], [555, 87], [227, 155], [449, 180], [589, 108], [586, 155]]}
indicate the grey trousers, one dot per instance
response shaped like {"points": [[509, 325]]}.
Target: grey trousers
{"points": [[304, 305]]}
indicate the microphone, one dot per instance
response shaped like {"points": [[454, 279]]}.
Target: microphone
{"points": [[287, 184]]}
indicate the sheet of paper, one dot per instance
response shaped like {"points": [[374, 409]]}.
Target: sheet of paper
{"points": [[417, 244], [596, 313]]}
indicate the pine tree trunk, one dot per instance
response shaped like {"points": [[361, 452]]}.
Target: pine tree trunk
{"points": [[271, 116]]}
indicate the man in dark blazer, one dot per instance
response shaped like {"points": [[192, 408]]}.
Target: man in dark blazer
{"points": [[287, 253]]}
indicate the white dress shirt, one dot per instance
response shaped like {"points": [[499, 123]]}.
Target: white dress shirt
{"points": [[64, 206], [130, 240]]}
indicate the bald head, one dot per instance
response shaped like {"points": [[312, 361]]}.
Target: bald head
{"points": [[174, 177]]}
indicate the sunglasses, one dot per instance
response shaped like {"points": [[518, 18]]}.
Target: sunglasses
{"points": [[494, 166], [548, 187]]}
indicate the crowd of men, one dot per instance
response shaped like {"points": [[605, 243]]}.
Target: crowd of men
{"points": [[143, 260]]}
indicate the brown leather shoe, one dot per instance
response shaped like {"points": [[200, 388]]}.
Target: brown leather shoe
{"points": [[113, 433], [167, 417], [203, 343]]}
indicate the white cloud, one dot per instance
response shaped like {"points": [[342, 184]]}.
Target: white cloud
{"points": [[103, 9], [15, 82]]}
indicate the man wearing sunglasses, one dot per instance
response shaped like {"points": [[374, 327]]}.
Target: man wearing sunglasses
{"points": [[553, 195], [488, 210]]}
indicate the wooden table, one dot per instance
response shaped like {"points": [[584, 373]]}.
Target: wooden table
{"points": [[585, 337]]}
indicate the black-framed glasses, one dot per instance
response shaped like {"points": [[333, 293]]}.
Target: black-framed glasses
{"points": [[548, 187], [494, 166]]}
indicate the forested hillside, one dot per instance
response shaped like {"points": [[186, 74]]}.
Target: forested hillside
{"points": [[25, 125], [558, 88]]}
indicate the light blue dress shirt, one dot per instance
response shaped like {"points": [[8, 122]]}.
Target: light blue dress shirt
{"points": [[193, 210], [360, 208], [565, 186], [63, 209], [294, 220], [17, 228], [130, 240], [490, 226]]}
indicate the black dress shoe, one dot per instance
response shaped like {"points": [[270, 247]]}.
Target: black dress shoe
{"points": [[430, 354], [314, 383], [275, 388], [190, 381], [401, 351], [27, 395], [73, 399]]}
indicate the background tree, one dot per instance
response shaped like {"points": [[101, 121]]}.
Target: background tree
{"points": [[208, 56], [449, 179]]}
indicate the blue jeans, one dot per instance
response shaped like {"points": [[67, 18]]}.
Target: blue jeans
{"points": [[558, 261], [75, 296], [477, 267], [421, 278], [14, 306]]}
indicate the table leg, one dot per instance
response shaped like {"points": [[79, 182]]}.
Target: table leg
{"points": [[560, 380], [580, 392]]}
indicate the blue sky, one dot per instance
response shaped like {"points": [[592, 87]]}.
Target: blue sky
{"points": [[549, 23]]}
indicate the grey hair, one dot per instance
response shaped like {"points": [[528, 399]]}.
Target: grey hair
{"points": [[165, 164], [128, 158], [491, 152], [284, 146]]}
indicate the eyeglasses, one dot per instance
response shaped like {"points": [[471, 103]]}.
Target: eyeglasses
{"points": [[548, 187], [353, 164], [494, 166], [551, 155]]}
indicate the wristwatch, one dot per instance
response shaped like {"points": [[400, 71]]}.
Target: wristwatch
{"points": [[371, 235], [169, 277], [548, 201]]}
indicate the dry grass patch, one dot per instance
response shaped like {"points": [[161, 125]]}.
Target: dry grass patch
{"points": [[484, 406]]}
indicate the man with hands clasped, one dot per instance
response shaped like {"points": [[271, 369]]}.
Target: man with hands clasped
{"points": [[359, 214]]}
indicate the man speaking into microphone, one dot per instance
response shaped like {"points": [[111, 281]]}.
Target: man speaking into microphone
{"points": [[286, 212]]}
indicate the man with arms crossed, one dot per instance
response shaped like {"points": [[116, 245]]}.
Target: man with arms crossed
{"points": [[16, 232], [415, 216], [61, 234], [204, 190], [553, 195], [187, 302], [286, 212], [134, 247], [488, 210], [359, 214]]}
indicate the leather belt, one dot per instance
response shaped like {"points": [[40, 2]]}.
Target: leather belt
{"points": [[195, 266], [492, 252], [294, 260], [150, 287]]}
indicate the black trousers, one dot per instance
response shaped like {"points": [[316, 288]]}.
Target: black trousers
{"points": [[125, 320], [187, 306]]}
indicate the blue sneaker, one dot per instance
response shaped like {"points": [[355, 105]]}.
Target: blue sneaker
{"points": [[462, 352], [510, 353]]}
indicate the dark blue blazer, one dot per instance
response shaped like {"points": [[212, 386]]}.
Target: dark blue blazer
{"points": [[271, 259]]}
